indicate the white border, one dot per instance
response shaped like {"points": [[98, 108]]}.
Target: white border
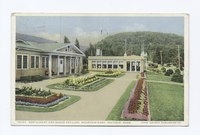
{"points": [[112, 6], [109, 123]]}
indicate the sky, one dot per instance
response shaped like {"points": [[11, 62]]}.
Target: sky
{"points": [[91, 29]]}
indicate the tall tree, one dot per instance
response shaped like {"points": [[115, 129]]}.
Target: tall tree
{"points": [[77, 43], [66, 40]]}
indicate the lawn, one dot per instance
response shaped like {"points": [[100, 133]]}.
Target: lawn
{"points": [[158, 77], [115, 114], [166, 102], [58, 107]]}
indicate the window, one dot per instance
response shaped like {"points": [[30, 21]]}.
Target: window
{"points": [[19, 61], [25, 61], [45, 62], [68, 49], [35, 61], [115, 66], [32, 61], [22, 61]]}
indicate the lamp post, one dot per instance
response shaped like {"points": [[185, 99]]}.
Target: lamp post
{"points": [[125, 48], [161, 57], [179, 63]]}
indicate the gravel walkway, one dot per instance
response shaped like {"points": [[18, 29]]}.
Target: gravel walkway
{"points": [[92, 106]]}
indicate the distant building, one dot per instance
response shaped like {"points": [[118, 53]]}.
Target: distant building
{"points": [[47, 59], [131, 63]]}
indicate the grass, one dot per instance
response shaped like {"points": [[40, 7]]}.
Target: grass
{"points": [[58, 107], [100, 85], [166, 102], [158, 77], [118, 76], [115, 114]]}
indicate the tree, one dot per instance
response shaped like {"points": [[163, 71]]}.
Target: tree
{"points": [[77, 43], [66, 40]]}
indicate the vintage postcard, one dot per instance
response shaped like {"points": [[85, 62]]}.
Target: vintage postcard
{"points": [[100, 69]]}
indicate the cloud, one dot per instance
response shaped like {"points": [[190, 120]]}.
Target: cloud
{"points": [[54, 37], [135, 27], [85, 37]]}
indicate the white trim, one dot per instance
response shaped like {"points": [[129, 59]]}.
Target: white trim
{"points": [[22, 64], [25, 42], [35, 62], [45, 61], [50, 64], [72, 45]]}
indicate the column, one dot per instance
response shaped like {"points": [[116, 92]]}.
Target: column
{"points": [[58, 65], [70, 63], [107, 64], [135, 65], [75, 63], [50, 59], [112, 64], [78, 65], [130, 66], [101, 64], [118, 65], [65, 65], [96, 65]]}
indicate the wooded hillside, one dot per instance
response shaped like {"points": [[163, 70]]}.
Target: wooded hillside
{"points": [[154, 42]]}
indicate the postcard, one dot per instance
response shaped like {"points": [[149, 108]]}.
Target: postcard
{"points": [[93, 69]]}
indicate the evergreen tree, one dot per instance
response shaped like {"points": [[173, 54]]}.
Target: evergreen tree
{"points": [[66, 40], [77, 43]]}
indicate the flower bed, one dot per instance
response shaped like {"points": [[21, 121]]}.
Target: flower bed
{"points": [[40, 104], [97, 85], [137, 105], [90, 86], [37, 97], [80, 81], [110, 73], [29, 91], [39, 100]]}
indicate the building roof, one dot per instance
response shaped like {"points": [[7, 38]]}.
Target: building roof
{"points": [[31, 38], [46, 47], [115, 57]]}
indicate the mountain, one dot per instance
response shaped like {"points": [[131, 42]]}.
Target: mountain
{"points": [[32, 38], [153, 42], [114, 44]]}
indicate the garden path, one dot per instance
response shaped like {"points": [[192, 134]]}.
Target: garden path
{"points": [[92, 106]]}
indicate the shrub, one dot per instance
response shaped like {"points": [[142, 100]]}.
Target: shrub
{"points": [[80, 81], [168, 65], [169, 72], [153, 65], [34, 78], [84, 71], [163, 69], [177, 71], [29, 91], [177, 77], [109, 71]]}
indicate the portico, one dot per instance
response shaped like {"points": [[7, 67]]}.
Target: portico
{"points": [[62, 65]]}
